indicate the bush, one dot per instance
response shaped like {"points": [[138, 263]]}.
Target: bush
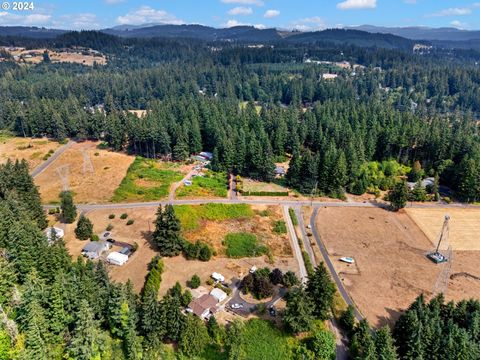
{"points": [[243, 245], [199, 250], [94, 237], [109, 227], [262, 308], [290, 279], [209, 282], [111, 216], [130, 222], [264, 193], [124, 216], [279, 227], [293, 216], [194, 282]]}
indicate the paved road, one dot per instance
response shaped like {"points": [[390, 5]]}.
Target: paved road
{"points": [[343, 292], [41, 168], [296, 247]]}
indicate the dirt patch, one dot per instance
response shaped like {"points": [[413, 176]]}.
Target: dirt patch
{"points": [[95, 186], [213, 232], [391, 268], [464, 226], [34, 151]]}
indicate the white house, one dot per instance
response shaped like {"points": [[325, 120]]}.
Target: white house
{"points": [[217, 277], [115, 258], [218, 294]]}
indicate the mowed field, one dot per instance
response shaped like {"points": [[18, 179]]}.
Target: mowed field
{"points": [[34, 151], [109, 168], [178, 268], [464, 226], [390, 268]]}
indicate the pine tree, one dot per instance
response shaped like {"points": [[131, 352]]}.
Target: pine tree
{"points": [[84, 229], [69, 210], [321, 290], [194, 336], [362, 346], [167, 235], [234, 341], [384, 345], [35, 332], [398, 196], [293, 175], [58, 318], [86, 339], [323, 345], [298, 316]]}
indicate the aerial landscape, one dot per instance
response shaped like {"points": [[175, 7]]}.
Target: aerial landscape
{"points": [[240, 179]]}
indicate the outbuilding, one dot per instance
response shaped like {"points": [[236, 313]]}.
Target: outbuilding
{"points": [[115, 258], [218, 277], [54, 232], [218, 294]]}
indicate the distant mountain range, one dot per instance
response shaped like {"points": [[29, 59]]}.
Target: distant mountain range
{"points": [[423, 33], [365, 35]]}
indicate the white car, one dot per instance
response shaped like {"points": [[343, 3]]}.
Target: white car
{"points": [[236, 306]]}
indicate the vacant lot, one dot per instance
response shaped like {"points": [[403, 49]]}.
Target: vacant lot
{"points": [[390, 269], [210, 185], [94, 184], [210, 223], [464, 226], [259, 186], [34, 151], [147, 180], [177, 268]]}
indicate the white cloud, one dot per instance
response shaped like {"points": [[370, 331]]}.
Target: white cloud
{"points": [[146, 14], [357, 4], [240, 10], [309, 24], [244, 2], [458, 24], [7, 18], [232, 22], [453, 12], [83, 21], [271, 14]]}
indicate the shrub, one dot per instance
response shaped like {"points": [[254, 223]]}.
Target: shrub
{"points": [[290, 279], [262, 308], [111, 216], [279, 227], [135, 246], [130, 222], [194, 282], [243, 245], [94, 237], [124, 216], [109, 227], [293, 216], [97, 154], [265, 193], [199, 250], [209, 282]]}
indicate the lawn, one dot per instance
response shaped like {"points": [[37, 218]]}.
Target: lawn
{"points": [[212, 184], [242, 244], [191, 215], [147, 180], [254, 186]]}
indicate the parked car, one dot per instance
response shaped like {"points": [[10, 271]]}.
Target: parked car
{"points": [[111, 241], [272, 311], [236, 306], [126, 251]]}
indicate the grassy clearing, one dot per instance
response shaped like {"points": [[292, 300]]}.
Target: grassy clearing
{"points": [[146, 180], [254, 186], [211, 185], [191, 215], [262, 340], [241, 245]]}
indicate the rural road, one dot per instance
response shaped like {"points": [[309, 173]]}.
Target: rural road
{"points": [[295, 246], [41, 168], [303, 233], [175, 186], [341, 289]]}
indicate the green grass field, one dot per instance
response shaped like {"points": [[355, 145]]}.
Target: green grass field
{"points": [[146, 180], [191, 215], [243, 245], [279, 227], [211, 185]]}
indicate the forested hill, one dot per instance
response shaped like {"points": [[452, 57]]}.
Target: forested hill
{"points": [[247, 34]]}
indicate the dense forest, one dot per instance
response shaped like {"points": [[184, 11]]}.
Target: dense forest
{"points": [[395, 106]]}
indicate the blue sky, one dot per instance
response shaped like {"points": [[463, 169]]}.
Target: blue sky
{"points": [[288, 14]]}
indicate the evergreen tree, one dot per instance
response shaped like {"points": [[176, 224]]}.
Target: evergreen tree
{"points": [[234, 341], [69, 210], [298, 316], [398, 196], [84, 229], [362, 346], [384, 345], [321, 290], [194, 337], [167, 235], [323, 345]]}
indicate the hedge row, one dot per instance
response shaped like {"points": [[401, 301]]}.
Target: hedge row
{"points": [[264, 193]]}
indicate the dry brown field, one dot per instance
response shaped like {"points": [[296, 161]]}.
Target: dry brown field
{"points": [[30, 149], [390, 268], [59, 56], [178, 268], [89, 187], [464, 225]]}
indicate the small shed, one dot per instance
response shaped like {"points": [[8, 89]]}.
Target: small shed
{"points": [[280, 171], [218, 277], [116, 258], [218, 294], [54, 231]]}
